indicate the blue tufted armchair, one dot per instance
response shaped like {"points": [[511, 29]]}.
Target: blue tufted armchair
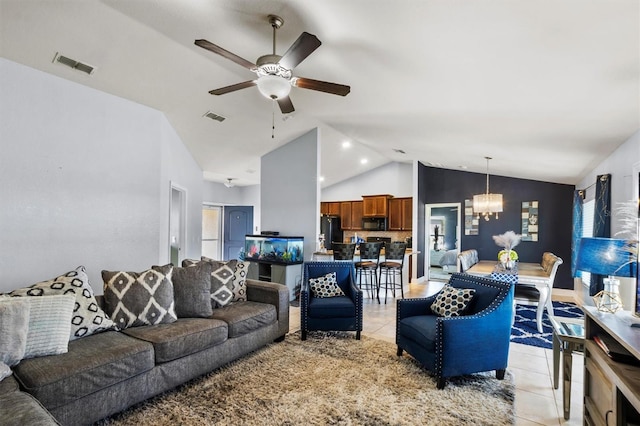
{"points": [[332, 313], [478, 340]]}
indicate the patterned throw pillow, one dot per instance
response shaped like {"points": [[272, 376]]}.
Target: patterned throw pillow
{"points": [[326, 286], [240, 281], [49, 325], [87, 318], [451, 301], [225, 287], [135, 299]]}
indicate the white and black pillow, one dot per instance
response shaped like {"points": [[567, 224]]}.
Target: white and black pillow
{"points": [[87, 317], [134, 299], [451, 301], [325, 286]]}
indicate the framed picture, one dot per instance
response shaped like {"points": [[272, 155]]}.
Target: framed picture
{"points": [[530, 221]]}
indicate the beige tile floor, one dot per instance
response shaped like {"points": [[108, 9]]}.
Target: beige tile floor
{"points": [[537, 403]]}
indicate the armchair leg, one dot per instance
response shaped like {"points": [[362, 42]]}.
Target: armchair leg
{"points": [[399, 352], [440, 382], [500, 374], [303, 335], [358, 335]]}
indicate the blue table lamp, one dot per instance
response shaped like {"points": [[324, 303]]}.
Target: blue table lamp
{"points": [[612, 257]]}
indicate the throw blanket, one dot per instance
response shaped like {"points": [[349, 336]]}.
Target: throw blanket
{"points": [[449, 258]]}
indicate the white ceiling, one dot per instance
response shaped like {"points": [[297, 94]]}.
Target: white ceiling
{"points": [[548, 88]]}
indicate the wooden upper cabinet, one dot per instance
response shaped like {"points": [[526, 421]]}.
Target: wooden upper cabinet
{"points": [[356, 215], [345, 215], [375, 205], [401, 214], [330, 207]]}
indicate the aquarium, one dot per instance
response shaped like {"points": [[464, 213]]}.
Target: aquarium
{"points": [[273, 249]]}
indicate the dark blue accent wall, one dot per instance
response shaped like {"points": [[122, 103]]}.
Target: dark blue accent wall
{"points": [[555, 214]]}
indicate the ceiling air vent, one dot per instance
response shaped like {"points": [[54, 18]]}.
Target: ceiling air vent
{"points": [[214, 116], [72, 63]]}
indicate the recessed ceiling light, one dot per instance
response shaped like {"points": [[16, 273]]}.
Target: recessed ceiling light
{"points": [[364, 161], [321, 178], [346, 144]]}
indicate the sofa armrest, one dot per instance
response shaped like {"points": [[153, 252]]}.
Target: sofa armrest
{"points": [[274, 294]]}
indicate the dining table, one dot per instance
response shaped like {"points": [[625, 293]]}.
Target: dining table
{"points": [[530, 274]]}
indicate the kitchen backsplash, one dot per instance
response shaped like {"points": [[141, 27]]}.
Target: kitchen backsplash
{"points": [[394, 235]]}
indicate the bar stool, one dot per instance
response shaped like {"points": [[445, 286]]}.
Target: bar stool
{"points": [[367, 267], [392, 268], [343, 251]]}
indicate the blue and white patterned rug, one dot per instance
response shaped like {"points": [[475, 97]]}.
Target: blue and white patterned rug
{"points": [[525, 331]]}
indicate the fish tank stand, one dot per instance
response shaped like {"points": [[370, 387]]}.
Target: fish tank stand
{"points": [[275, 258]]}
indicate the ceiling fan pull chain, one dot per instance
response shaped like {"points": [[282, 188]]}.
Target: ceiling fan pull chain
{"points": [[273, 118]]}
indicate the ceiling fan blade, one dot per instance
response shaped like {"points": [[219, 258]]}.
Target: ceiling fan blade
{"points": [[233, 87], [225, 53], [299, 50], [286, 106], [321, 86]]}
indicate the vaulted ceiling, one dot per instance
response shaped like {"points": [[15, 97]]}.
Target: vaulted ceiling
{"points": [[548, 88]]}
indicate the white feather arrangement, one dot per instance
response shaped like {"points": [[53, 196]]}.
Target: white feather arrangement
{"points": [[508, 240]]}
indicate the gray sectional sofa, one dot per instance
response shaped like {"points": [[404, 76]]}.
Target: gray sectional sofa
{"points": [[107, 372]]}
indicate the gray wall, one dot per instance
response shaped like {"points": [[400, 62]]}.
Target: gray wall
{"points": [[290, 190], [85, 180]]}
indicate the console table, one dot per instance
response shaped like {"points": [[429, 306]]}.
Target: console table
{"points": [[611, 388]]}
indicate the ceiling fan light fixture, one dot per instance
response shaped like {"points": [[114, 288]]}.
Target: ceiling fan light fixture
{"points": [[273, 87], [229, 183]]}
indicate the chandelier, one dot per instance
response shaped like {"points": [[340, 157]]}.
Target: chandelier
{"points": [[486, 204]]}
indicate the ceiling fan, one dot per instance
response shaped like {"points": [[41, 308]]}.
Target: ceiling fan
{"points": [[275, 72]]}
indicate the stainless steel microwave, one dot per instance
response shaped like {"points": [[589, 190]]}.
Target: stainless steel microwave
{"points": [[374, 223]]}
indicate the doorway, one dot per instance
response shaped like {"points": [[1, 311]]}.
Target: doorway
{"points": [[211, 231], [238, 222], [442, 239], [177, 227]]}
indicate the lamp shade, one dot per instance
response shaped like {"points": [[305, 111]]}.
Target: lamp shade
{"points": [[487, 203], [607, 256], [273, 86]]}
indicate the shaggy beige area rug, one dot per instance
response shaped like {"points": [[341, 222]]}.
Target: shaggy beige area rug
{"points": [[329, 379]]}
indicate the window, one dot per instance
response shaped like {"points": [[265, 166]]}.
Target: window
{"points": [[211, 231], [588, 208]]}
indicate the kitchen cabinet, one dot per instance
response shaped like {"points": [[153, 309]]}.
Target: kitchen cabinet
{"points": [[356, 215], [331, 208], [401, 214], [345, 214], [375, 205], [350, 215], [611, 387]]}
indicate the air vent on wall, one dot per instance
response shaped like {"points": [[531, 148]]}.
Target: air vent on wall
{"points": [[72, 63], [214, 116]]}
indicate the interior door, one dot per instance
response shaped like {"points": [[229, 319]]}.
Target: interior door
{"points": [[238, 222], [442, 239], [177, 226]]}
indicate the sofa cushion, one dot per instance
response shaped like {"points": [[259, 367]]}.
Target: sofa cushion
{"points": [[49, 325], [91, 364], [134, 299], [192, 291], [14, 326], [421, 329], [19, 408], [245, 317], [183, 337], [87, 318], [332, 307]]}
